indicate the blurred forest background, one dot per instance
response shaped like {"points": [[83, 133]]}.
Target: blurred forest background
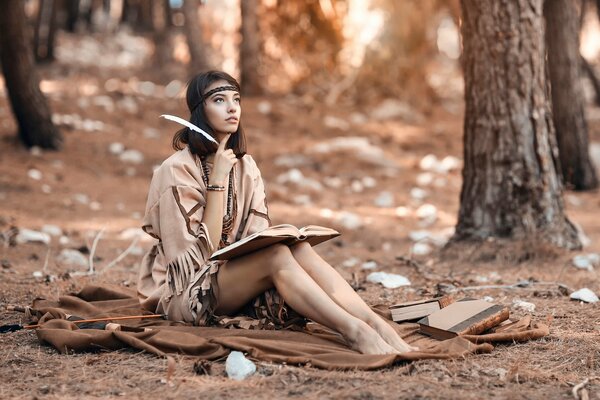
{"points": [[455, 142]]}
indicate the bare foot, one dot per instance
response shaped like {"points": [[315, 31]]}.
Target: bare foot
{"points": [[366, 340], [388, 334]]}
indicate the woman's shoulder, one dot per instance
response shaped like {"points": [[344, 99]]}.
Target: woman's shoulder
{"points": [[179, 169], [249, 165]]}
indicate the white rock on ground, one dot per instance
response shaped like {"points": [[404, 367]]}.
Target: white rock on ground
{"points": [[384, 199], [586, 261], [34, 174], [349, 220], [292, 160], [390, 281], [418, 193], [585, 295], [523, 305], [31, 236], [51, 230], [116, 148], [239, 367], [402, 212], [369, 265], [421, 249], [72, 257], [351, 262], [132, 156], [336, 123]]}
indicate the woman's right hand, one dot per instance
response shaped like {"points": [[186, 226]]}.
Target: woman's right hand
{"points": [[224, 160]]}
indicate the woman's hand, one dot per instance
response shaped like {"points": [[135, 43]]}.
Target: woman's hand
{"points": [[223, 162]]}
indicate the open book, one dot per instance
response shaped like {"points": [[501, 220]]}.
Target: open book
{"points": [[414, 310], [284, 233], [464, 317]]}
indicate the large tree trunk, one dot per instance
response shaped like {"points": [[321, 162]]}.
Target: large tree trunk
{"points": [[250, 49], [22, 82], [562, 38], [193, 33], [510, 185]]}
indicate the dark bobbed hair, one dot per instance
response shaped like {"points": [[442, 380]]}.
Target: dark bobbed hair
{"points": [[197, 143]]}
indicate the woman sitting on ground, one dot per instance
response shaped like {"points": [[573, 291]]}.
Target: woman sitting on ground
{"points": [[205, 197]]}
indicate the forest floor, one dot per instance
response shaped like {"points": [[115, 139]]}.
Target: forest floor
{"points": [[373, 194]]}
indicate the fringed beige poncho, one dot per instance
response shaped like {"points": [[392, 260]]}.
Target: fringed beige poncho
{"points": [[175, 274]]}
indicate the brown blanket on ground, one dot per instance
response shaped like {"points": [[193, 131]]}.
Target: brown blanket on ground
{"points": [[316, 346]]}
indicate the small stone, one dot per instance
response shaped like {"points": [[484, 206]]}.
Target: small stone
{"points": [[368, 182], [51, 230], [418, 193], [116, 148], [35, 151], [585, 295], [390, 281], [38, 274], [349, 220], [64, 240], [449, 163], [427, 213], [428, 163], [95, 206], [292, 160], [132, 156], [47, 189], [421, 249], [489, 299], [73, 258], [425, 179], [385, 199], [239, 367], [358, 118], [81, 198], [357, 186], [351, 262], [333, 182], [523, 305], [31, 236], [586, 261], [34, 174], [151, 133], [369, 265]]}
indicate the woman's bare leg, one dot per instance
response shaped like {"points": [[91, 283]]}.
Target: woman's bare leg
{"points": [[244, 278], [342, 294]]}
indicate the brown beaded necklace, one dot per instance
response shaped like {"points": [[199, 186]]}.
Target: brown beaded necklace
{"points": [[229, 217]]}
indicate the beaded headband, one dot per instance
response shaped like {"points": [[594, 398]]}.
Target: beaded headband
{"points": [[213, 91]]}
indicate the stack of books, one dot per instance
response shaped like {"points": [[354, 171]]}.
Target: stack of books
{"points": [[443, 319]]}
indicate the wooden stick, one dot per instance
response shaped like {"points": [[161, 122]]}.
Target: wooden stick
{"points": [[579, 387], [81, 321]]}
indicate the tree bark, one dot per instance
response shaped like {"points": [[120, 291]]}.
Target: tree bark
{"points": [[193, 33], [250, 49], [510, 185], [564, 64], [29, 105], [162, 38]]}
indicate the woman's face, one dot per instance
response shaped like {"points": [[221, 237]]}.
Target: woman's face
{"points": [[223, 109]]}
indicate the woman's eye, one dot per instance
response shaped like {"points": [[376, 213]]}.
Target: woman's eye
{"points": [[238, 100], [218, 100]]}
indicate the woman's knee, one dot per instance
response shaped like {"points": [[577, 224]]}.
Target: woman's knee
{"points": [[277, 256]]}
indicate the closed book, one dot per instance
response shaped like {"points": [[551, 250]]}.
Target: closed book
{"points": [[414, 310], [464, 317], [284, 233]]}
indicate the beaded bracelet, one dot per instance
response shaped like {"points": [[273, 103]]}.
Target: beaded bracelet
{"points": [[216, 188]]}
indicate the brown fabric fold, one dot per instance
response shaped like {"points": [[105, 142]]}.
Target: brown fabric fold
{"points": [[315, 345]]}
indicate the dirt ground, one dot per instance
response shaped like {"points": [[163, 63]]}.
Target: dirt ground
{"points": [[85, 189]]}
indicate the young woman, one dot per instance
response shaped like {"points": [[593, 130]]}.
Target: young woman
{"points": [[206, 196]]}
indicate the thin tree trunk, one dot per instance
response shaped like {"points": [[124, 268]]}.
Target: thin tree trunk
{"points": [[193, 33], [562, 37], [510, 185], [250, 49], [29, 105], [161, 26]]}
